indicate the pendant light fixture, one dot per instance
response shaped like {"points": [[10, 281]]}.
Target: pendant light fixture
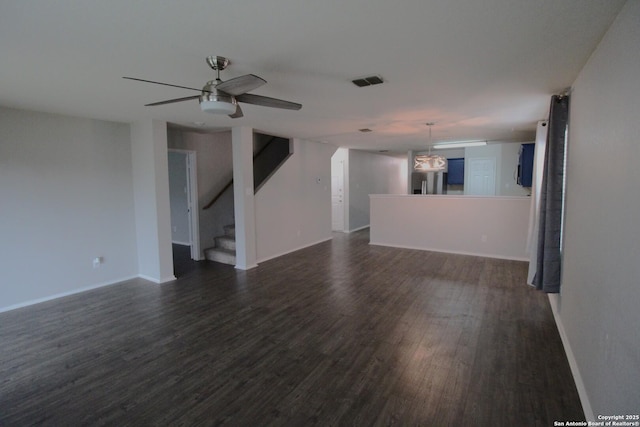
{"points": [[430, 162]]}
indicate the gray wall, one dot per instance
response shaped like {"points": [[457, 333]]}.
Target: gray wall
{"points": [[179, 198], [599, 308], [66, 197], [369, 173]]}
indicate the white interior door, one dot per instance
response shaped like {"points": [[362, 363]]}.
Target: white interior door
{"points": [[481, 177], [337, 196]]}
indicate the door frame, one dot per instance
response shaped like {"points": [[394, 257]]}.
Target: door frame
{"points": [[192, 201]]}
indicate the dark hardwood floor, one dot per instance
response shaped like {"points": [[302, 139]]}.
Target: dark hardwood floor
{"points": [[182, 262], [341, 333]]}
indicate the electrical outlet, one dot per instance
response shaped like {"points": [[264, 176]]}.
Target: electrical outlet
{"points": [[484, 238], [97, 261]]}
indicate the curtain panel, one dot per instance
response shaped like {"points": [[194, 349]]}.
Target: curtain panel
{"points": [[549, 259]]}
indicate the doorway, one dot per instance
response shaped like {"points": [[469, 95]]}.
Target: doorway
{"points": [[337, 190], [183, 196]]}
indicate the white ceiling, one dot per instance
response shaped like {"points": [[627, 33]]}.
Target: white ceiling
{"points": [[479, 69]]}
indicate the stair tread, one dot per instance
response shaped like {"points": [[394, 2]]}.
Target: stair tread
{"points": [[216, 249], [224, 250], [230, 230], [221, 256]]}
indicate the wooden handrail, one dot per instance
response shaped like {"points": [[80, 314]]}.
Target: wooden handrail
{"points": [[226, 187], [218, 195]]}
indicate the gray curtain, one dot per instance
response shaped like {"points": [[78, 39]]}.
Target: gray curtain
{"points": [[549, 264]]}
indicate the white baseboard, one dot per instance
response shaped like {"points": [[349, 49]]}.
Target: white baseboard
{"points": [[577, 378], [293, 250], [245, 267], [511, 258], [157, 281], [65, 294], [358, 229]]}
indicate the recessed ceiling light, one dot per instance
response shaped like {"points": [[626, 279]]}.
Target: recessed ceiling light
{"points": [[198, 123]]}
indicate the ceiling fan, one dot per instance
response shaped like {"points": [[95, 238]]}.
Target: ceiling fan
{"points": [[220, 97]]}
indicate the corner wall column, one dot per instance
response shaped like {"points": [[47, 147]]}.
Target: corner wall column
{"points": [[243, 197], [149, 156]]}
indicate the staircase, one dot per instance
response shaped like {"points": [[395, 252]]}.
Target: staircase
{"points": [[225, 249], [270, 152]]}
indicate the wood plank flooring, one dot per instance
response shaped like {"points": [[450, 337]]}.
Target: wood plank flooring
{"points": [[341, 333]]}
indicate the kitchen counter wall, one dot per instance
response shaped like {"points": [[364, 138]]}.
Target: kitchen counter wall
{"points": [[493, 227]]}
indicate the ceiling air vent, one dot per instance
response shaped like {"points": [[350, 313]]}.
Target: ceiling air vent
{"points": [[367, 81]]}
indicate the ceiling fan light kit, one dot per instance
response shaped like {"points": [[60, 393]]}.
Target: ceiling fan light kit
{"points": [[222, 97], [216, 102], [217, 106]]}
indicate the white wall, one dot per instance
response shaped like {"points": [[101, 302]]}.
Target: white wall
{"points": [[370, 173], [214, 170], [484, 226], [66, 197], [599, 306], [293, 208]]}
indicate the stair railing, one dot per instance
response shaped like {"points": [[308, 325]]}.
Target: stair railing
{"points": [[230, 183], [217, 196]]}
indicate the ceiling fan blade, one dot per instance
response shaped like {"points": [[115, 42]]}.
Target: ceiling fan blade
{"points": [[171, 101], [240, 85], [237, 114], [160, 83], [265, 101]]}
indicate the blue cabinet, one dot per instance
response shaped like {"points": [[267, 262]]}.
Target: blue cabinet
{"points": [[455, 176], [525, 165]]}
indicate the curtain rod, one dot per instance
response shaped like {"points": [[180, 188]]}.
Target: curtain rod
{"points": [[565, 92]]}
